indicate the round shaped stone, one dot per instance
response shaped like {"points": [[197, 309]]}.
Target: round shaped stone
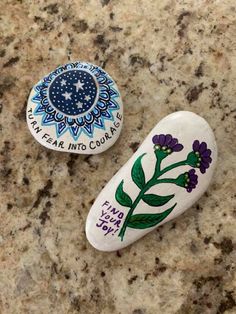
{"points": [[76, 108]]}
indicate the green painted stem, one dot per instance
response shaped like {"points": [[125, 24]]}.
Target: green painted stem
{"points": [[173, 166], [149, 184], [166, 181], [153, 181], [159, 158]]}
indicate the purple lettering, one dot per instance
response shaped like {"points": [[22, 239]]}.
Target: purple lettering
{"points": [[121, 215], [115, 231], [114, 211], [110, 229], [102, 222], [103, 213], [106, 203], [117, 223]]}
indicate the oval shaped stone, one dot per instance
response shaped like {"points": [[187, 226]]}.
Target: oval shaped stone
{"points": [[169, 172], [77, 108]]}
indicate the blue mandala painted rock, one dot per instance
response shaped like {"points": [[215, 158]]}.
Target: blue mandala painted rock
{"points": [[76, 108]]}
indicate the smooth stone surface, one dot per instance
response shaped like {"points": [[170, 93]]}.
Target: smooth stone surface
{"points": [[77, 108], [168, 173]]}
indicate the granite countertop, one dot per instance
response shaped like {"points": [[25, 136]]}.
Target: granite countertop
{"points": [[165, 56]]}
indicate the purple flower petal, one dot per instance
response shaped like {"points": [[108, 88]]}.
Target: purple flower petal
{"points": [[155, 139], [162, 139], [194, 180], [207, 159], [202, 169], [196, 145], [173, 142], [191, 171], [168, 139], [202, 147], [177, 148], [205, 164], [207, 153], [192, 175]]}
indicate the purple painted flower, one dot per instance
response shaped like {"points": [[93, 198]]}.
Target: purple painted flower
{"points": [[204, 155], [166, 143], [188, 180], [191, 180]]}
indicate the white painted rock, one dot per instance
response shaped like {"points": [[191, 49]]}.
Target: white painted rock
{"points": [[168, 173], [77, 108]]}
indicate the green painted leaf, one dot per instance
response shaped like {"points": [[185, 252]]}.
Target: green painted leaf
{"points": [[122, 197], [137, 173], [144, 221], [156, 200]]}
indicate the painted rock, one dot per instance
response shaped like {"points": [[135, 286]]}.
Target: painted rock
{"points": [[77, 108], [168, 173]]}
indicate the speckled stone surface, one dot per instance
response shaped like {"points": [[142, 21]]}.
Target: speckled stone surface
{"points": [[165, 56]]}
